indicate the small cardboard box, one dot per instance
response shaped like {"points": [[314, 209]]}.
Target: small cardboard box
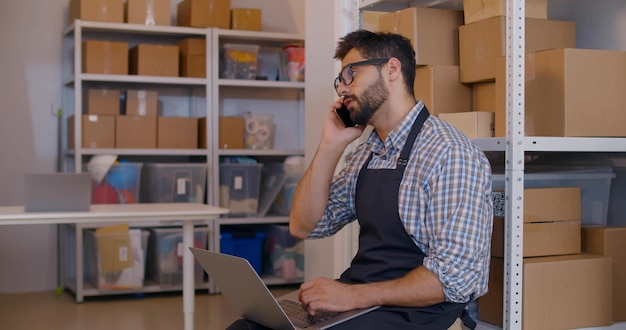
{"points": [[484, 96], [141, 102], [102, 102], [177, 132], [147, 12], [114, 251], [106, 57], [546, 204], [610, 242], [136, 132], [154, 60], [439, 88], [480, 43], [479, 10], [559, 292], [541, 239], [193, 66], [192, 46], [245, 19], [433, 32], [98, 131], [474, 124], [96, 10], [231, 133], [204, 13]]}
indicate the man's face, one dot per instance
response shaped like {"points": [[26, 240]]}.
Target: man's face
{"points": [[366, 92]]}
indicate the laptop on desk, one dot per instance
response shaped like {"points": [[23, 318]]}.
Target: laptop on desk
{"points": [[247, 295], [57, 192]]}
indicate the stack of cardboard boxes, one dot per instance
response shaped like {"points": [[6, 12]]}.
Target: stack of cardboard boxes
{"points": [[565, 286]]}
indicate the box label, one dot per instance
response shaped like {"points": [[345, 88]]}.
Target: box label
{"points": [[122, 253], [238, 183]]}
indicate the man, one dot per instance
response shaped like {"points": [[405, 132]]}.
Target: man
{"points": [[419, 188]]}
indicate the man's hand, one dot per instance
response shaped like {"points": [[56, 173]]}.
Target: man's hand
{"points": [[324, 294]]}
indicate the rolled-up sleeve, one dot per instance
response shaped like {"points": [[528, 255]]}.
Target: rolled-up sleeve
{"points": [[459, 224]]}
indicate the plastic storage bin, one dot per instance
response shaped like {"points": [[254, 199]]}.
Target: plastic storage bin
{"points": [[294, 169], [248, 245], [273, 178], [239, 188], [174, 183], [595, 187], [285, 253], [120, 185], [126, 278], [240, 61], [165, 255]]}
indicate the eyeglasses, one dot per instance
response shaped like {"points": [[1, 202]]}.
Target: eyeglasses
{"points": [[346, 76]]}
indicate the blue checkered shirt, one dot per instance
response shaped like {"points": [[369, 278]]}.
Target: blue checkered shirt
{"points": [[444, 201]]}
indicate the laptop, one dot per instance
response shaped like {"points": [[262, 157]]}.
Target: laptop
{"points": [[247, 295], [57, 192]]}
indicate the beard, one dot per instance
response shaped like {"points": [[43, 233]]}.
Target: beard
{"points": [[370, 101]]}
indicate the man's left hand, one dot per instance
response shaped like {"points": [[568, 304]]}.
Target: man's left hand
{"points": [[324, 294]]}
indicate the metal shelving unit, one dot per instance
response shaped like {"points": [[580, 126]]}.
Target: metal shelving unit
{"points": [[515, 145]]}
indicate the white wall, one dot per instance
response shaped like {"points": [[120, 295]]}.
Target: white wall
{"points": [[30, 80]]}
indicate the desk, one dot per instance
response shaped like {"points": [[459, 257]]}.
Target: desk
{"points": [[130, 213]]}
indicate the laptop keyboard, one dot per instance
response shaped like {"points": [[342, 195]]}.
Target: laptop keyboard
{"points": [[300, 317]]}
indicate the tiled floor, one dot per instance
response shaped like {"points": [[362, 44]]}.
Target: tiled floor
{"points": [[44, 310]]}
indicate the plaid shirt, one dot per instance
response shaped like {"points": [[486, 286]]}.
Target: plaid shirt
{"points": [[444, 201]]}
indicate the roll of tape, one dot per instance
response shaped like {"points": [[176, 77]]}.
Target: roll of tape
{"points": [[252, 126]]}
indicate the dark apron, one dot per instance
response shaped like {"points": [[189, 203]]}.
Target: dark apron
{"points": [[386, 251]]}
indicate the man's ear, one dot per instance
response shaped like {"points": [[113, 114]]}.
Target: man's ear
{"points": [[394, 67]]}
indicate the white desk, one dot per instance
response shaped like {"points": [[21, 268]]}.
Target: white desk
{"points": [[130, 213]]}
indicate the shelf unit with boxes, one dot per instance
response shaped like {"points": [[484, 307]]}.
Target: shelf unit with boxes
{"points": [[257, 126], [524, 137], [115, 104]]}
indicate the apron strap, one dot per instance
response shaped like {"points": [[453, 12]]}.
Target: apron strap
{"points": [[421, 118]]}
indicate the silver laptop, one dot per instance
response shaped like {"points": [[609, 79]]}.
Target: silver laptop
{"points": [[57, 192], [247, 295]]}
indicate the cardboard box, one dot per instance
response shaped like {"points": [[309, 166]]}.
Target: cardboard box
{"points": [[433, 32], [541, 238], [560, 292], [478, 10], [369, 20], [141, 102], [154, 60], [231, 133], [484, 96], [546, 204], [439, 88], [474, 124], [98, 131], [114, 251], [101, 102], [106, 57], [192, 46], [570, 92], [136, 132], [480, 43], [204, 13], [193, 66], [610, 242], [147, 12], [177, 132], [96, 10], [245, 19]]}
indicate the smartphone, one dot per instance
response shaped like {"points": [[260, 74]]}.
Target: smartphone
{"points": [[344, 114]]}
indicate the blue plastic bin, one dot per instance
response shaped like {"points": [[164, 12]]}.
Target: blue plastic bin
{"points": [[248, 245]]}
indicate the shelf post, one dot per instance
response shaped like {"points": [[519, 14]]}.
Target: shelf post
{"points": [[514, 164]]}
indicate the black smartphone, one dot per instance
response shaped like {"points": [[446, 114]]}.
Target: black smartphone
{"points": [[344, 114]]}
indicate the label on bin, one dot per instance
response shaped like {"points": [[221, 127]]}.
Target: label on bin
{"points": [[180, 186], [179, 249], [122, 253], [238, 183]]}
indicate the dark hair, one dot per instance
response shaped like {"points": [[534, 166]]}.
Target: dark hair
{"points": [[381, 45]]}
